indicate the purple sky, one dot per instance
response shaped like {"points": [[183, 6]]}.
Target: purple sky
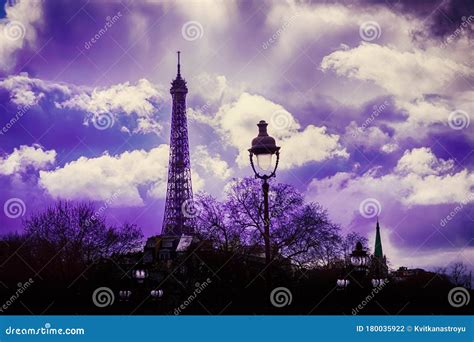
{"points": [[371, 102]]}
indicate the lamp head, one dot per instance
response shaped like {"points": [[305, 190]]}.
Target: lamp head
{"points": [[263, 147]]}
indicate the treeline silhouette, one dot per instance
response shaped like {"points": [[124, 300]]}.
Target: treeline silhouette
{"points": [[69, 251]]}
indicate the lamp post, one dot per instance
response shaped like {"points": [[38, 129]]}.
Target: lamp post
{"points": [[264, 148]]}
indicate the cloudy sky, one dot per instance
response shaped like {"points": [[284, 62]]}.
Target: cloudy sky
{"points": [[371, 102]]}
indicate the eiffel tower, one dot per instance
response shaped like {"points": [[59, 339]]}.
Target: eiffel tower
{"points": [[179, 208]]}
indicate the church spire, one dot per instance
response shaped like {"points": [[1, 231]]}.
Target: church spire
{"points": [[378, 241]]}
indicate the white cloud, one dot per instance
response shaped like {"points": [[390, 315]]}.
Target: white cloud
{"points": [[237, 122], [142, 100], [412, 77], [209, 87], [422, 162], [420, 178], [26, 91], [371, 137], [18, 29], [127, 177], [212, 165], [26, 157], [408, 74], [389, 148]]}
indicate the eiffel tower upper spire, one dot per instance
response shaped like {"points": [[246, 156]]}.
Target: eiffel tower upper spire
{"points": [[179, 66]]}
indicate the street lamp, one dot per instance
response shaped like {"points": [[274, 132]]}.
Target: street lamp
{"points": [[377, 282], [264, 148], [156, 294], [359, 258], [140, 275], [125, 295], [342, 283]]}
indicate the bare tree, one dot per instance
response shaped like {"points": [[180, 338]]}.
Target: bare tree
{"points": [[459, 274], [214, 224], [299, 232], [70, 235]]}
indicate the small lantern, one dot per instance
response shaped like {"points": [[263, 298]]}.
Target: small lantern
{"points": [[342, 283], [140, 275], [156, 294], [125, 295], [377, 282]]}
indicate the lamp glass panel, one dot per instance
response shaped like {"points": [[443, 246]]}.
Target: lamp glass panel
{"points": [[264, 161]]}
